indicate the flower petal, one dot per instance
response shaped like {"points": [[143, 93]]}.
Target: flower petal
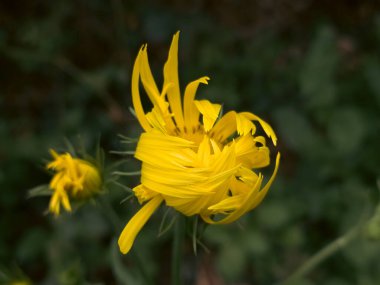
{"points": [[253, 199], [171, 76], [244, 125], [135, 224], [225, 127], [209, 111], [191, 113], [267, 128], [136, 100]]}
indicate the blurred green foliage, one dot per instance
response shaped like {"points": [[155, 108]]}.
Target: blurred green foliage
{"points": [[310, 68]]}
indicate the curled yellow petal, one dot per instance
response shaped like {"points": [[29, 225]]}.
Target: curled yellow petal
{"points": [[267, 128], [191, 113], [135, 224], [244, 125], [136, 93], [209, 111], [251, 200]]}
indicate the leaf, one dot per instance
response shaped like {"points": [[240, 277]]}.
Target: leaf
{"points": [[296, 130], [42, 190], [317, 76], [347, 130]]}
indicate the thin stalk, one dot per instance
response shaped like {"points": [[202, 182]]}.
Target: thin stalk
{"points": [[178, 238], [323, 254]]}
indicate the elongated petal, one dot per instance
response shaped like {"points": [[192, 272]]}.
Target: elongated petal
{"points": [[251, 201], [191, 113], [209, 111], [249, 154], [65, 201], [255, 202], [228, 204], [225, 127], [267, 128], [54, 205], [171, 76], [238, 212], [136, 100], [135, 224], [156, 120], [244, 126], [147, 77], [162, 118]]}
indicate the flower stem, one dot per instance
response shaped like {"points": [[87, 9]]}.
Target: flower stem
{"points": [[323, 254], [179, 234]]}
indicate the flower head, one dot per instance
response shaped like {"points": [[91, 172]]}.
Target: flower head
{"points": [[194, 159], [74, 178]]}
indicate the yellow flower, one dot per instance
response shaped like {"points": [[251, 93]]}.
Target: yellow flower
{"points": [[74, 178], [193, 159]]}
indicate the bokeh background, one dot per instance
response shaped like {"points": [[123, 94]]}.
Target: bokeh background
{"points": [[310, 68]]}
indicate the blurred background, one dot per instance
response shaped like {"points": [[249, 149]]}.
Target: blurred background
{"points": [[310, 68]]}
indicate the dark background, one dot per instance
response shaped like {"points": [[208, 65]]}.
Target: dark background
{"points": [[310, 68]]}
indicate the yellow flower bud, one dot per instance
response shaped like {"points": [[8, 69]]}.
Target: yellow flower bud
{"points": [[73, 179]]}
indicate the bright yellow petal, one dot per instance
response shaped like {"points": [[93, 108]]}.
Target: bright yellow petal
{"points": [[244, 126], [171, 77], [54, 205], [251, 201], [255, 202], [143, 194], [156, 120], [135, 224], [267, 128], [228, 204], [225, 127], [251, 155], [209, 111], [140, 114], [238, 212], [147, 78], [65, 201], [160, 106], [191, 112]]}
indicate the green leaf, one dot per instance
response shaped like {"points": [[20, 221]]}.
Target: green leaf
{"points": [[42, 190], [296, 130], [317, 76], [347, 130]]}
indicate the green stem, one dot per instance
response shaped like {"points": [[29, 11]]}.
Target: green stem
{"points": [[111, 214], [323, 254], [179, 234]]}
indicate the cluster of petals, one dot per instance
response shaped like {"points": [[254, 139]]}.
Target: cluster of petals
{"points": [[74, 178], [194, 159]]}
